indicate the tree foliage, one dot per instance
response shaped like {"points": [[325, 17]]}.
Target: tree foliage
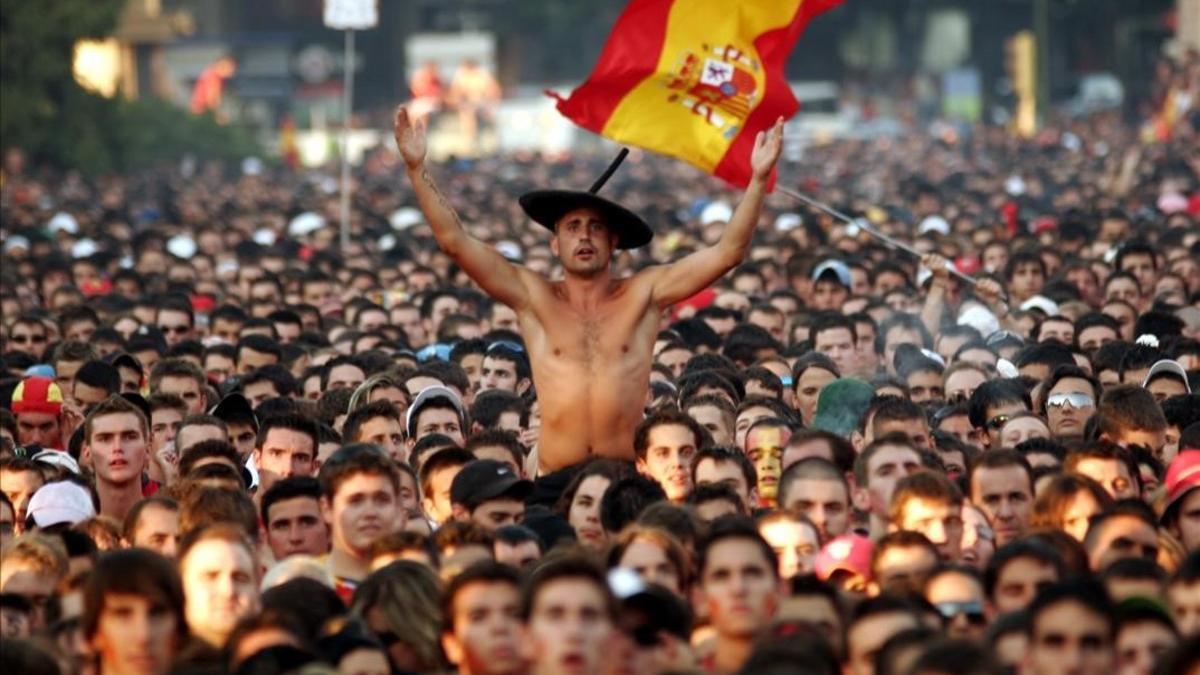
{"points": [[45, 112]]}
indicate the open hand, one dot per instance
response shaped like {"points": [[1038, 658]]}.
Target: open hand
{"points": [[767, 146], [410, 138]]}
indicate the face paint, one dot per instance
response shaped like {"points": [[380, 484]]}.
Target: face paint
{"points": [[764, 448]]}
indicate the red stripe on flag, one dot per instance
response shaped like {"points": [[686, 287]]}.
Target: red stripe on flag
{"points": [[630, 56], [773, 47]]}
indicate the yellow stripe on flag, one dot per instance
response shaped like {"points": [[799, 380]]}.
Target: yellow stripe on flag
{"points": [[708, 80]]}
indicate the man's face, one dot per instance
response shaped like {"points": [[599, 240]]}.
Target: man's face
{"points": [[1183, 599], [40, 428], [1141, 266], [866, 637], [485, 628], [569, 627], [714, 420], [709, 472], [1095, 337], [364, 509], [319, 294], [345, 376], [158, 530], [1068, 637], [19, 487], [409, 320], [1187, 525], [294, 527], [1122, 537], [439, 421], [1164, 388], [1141, 645], [669, 451], [243, 437], [186, 388], [176, 326], [887, 466], [135, 634], [824, 501], [500, 374], [959, 597], [220, 585], [496, 513], [764, 448], [472, 364], [387, 433], [808, 390], [940, 521], [795, 545], [28, 337], [896, 336], [1057, 329], [522, 556], [828, 295], [1066, 407], [583, 242], [1019, 582], [503, 317], [164, 424], [925, 385], [746, 419], [250, 360], [996, 416], [257, 392], [1113, 474], [740, 589], [1027, 280], [1005, 496], [117, 448], [228, 330], [437, 499], [837, 344], [286, 453], [86, 395], [64, 374]]}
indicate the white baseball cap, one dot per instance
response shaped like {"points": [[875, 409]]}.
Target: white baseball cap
{"points": [[61, 502]]}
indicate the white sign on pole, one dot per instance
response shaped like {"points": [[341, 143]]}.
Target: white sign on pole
{"points": [[351, 14]]}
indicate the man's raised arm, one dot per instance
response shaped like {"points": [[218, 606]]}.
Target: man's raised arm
{"points": [[683, 278], [497, 276]]}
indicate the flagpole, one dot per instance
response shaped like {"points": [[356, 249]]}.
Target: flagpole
{"points": [[865, 227]]}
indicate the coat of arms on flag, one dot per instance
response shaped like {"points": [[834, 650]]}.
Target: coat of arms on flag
{"points": [[721, 85]]}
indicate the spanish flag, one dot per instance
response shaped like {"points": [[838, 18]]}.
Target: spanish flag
{"points": [[694, 79]]}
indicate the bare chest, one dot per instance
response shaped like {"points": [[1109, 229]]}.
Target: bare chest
{"points": [[613, 332]]}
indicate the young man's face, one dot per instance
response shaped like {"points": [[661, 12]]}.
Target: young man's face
{"points": [[363, 509], [32, 583], [496, 513], [669, 451], [764, 449], [38, 428], [709, 472], [828, 295], [135, 634], [498, 373], [1005, 496], [715, 421], [940, 521], [825, 501], [1122, 537], [795, 544], [485, 629], [865, 638], [1019, 581], [808, 390], [904, 569], [916, 428], [387, 433], [117, 448], [164, 424], [569, 627], [186, 388], [437, 499], [286, 453], [1112, 474], [295, 527], [837, 344], [887, 466], [220, 584], [1068, 637], [439, 421], [158, 530], [740, 588], [1141, 645], [1183, 599]]}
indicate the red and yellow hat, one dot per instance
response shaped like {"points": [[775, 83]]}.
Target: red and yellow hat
{"points": [[37, 395]]}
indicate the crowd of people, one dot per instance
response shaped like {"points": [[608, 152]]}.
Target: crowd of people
{"points": [[229, 445]]}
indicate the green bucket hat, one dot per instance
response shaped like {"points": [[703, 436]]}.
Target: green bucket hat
{"points": [[841, 405]]}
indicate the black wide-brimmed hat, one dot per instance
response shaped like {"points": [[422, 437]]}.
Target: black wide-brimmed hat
{"points": [[547, 207]]}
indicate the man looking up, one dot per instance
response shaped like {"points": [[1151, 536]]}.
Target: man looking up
{"points": [[589, 336]]}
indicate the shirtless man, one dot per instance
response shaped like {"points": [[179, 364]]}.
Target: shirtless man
{"points": [[589, 336]]}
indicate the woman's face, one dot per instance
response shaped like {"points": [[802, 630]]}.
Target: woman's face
{"points": [[1078, 511], [584, 514], [1022, 429], [1069, 403], [650, 562]]}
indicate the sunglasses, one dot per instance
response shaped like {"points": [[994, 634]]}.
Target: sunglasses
{"points": [[178, 330], [1075, 400], [24, 339], [972, 610], [998, 421]]}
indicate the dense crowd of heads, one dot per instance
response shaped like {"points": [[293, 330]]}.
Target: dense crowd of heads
{"points": [[230, 445]]}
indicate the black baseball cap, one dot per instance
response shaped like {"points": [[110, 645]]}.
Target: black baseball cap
{"points": [[486, 479], [234, 408]]}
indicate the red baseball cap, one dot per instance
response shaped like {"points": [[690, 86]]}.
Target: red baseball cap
{"points": [[37, 395], [849, 552], [1183, 476]]}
